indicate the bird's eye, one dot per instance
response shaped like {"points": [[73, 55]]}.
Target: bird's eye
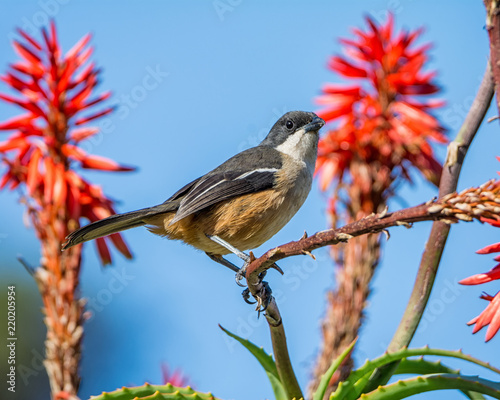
{"points": [[289, 124]]}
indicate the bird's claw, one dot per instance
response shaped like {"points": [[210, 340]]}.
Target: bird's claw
{"points": [[246, 296], [263, 297], [240, 275]]}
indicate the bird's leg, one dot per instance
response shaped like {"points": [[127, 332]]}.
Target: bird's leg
{"points": [[221, 260], [265, 296], [245, 257], [240, 272]]}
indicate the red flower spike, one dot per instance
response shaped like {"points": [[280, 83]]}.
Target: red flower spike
{"points": [[56, 89], [382, 119]]}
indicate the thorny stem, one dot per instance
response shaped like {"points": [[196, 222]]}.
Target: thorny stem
{"points": [[439, 233]]}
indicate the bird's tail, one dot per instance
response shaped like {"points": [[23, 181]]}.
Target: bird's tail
{"points": [[116, 223]]}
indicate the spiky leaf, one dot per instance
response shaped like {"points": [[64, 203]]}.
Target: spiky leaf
{"points": [[425, 367], [154, 392], [327, 376], [353, 386], [421, 384], [267, 363]]}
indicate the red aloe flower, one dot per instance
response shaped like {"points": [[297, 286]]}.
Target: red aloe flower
{"points": [[491, 314], [384, 117], [380, 126], [55, 91]]}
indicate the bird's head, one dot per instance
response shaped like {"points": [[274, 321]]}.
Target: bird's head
{"points": [[296, 134]]}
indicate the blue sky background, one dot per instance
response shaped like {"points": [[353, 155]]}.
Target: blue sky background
{"points": [[223, 80]]}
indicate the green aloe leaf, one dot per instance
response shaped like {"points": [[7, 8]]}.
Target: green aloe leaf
{"points": [[421, 384], [421, 366], [353, 386], [327, 376], [154, 392], [267, 363]]}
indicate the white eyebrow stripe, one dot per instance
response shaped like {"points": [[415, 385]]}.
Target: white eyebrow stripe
{"points": [[258, 170]]}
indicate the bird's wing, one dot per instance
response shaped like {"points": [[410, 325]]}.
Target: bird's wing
{"points": [[218, 186], [183, 190]]}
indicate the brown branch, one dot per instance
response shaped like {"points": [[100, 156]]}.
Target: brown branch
{"points": [[470, 204]]}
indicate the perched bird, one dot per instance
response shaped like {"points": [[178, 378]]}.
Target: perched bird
{"points": [[237, 206]]}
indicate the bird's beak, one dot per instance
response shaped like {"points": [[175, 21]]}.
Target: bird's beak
{"points": [[315, 125]]}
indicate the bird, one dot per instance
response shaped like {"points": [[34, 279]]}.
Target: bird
{"points": [[237, 206]]}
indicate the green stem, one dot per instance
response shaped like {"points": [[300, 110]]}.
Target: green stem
{"points": [[439, 234], [282, 358], [278, 338]]}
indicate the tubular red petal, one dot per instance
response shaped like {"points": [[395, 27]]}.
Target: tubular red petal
{"points": [[477, 279], [48, 180], [335, 88], [53, 41], [26, 53], [80, 96], [327, 173], [346, 69], [104, 164], [15, 82], [415, 114], [32, 41], [28, 105], [495, 320], [78, 46], [79, 134], [34, 176], [73, 201], [60, 188], [46, 39], [6, 179], [33, 70], [492, 222], [13, 143], [83, 76], [330, 114], [102, 249], [120, 245], [72, 151], [97, 100], [84, 120], [492, 248], [81, 58], [16, 122]]}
